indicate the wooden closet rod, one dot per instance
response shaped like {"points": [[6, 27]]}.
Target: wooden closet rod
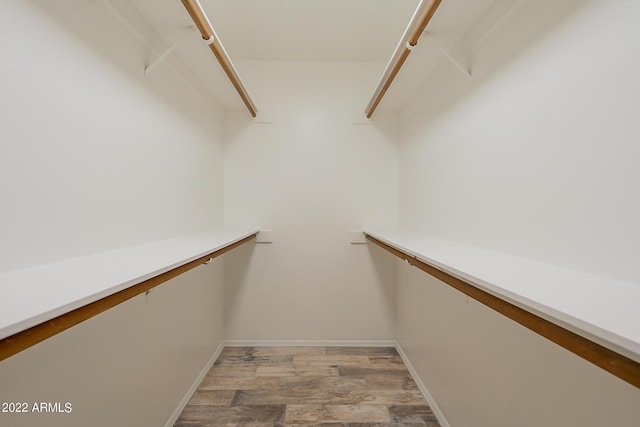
{"points": [[421, 17], [607, 359], [32, 336], [211, 38]]}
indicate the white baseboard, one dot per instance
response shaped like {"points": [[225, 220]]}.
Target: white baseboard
{"points": [[196, 383], [423, 388], [314, 343]]}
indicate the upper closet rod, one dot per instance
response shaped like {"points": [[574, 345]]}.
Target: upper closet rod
{"points": [[211, 38], [416, 27]]}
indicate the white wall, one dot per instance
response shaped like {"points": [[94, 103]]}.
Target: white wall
{"points": [[93, 156], [311, 176], [535, 155], [130, 365], [485, 370]]}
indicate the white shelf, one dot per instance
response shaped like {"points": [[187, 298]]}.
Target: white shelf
{"points": [[602, 310], [34, 295]]}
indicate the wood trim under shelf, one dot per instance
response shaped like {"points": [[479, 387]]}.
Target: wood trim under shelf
{"points": [[607, 359], [29, 337]]}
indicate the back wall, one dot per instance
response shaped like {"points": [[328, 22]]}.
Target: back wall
{"points": [[310, 175]]}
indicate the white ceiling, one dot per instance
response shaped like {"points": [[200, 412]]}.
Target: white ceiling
{"points": [[322, 30], [326, 30]]}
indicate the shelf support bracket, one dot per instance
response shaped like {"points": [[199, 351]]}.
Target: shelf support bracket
{"points": [[456, 63], [149, 68]]}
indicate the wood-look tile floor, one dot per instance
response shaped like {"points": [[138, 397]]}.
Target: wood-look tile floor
{"points": [[307, 386]]}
